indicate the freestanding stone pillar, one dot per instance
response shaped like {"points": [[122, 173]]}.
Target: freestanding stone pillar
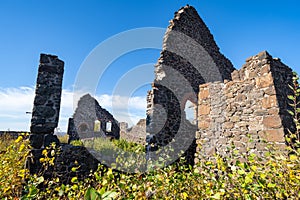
{"points": [[45, 113]]}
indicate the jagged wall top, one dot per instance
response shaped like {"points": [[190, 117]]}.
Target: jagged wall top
{"points": [[188, 22]]}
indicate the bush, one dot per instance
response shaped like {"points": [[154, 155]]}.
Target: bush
{"points": [[274, 175], [13, 154]]}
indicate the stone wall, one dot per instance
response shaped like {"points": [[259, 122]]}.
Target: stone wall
{"points": [[253, 105], [136, 133], [45, 113], [69, 156], [87, 112], [234, 108], [190, 57], [72, 131]]}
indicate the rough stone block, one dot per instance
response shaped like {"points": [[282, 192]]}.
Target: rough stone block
{"points": [[204, 93], [238, 144], [204, 109], [203, 125], [263, 55], [265, 69], [49, 139], [240, 98], [273, 135], [235, 75], [227, 134], [269, 102], [264, 81], [273, 111], [36, 140], [260, 146], [235, 119], [228, 125], [272, 121]]}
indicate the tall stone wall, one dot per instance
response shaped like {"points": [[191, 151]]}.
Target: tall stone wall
{"points": [[253, 105], [190, 57], [45, 113]]}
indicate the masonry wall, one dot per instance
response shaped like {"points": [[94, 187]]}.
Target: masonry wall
{"points": [[253, 104], [45, 113], [189, 57], [136, 133], [83, 123]]}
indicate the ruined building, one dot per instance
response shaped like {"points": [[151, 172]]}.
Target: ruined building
{"points": [[229, 104], [253, 104], [91, 120], [232, 108]]}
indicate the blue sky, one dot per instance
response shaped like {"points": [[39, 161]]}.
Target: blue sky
{"points": [[72, 29]]}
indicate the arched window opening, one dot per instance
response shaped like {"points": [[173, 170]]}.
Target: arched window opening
{"points": [[83, 128], [190, 110]]}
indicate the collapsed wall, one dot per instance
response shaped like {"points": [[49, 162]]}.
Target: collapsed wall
{"points": [[252, 106], [45, 113], [190, 57], [136, 133]]}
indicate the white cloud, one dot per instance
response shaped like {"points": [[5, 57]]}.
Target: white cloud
{"points": [[15, 102], [16, 99], [124, 109]]}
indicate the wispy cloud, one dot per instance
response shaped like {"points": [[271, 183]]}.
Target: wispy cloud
{"points": [[15, 102], [128, 109]]}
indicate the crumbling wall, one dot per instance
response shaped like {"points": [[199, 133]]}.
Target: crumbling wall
{"points": [[253, 105], [190, 57], [45, 113], [72, 131], [87, 112], [136, 133]]}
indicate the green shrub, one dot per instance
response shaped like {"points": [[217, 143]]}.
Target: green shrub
{"points": [[293, 137], [76, 143], [272, 176]]}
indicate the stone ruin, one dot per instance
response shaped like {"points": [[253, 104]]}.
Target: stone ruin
{"points": [[254, 103], [229, 104], [189, 58], [44, 120], [136, 133], [45, 113], [88, 123], [91, 120]]}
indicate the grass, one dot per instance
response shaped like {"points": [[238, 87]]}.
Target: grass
{"points": [[64, 138], [273, 176]]}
